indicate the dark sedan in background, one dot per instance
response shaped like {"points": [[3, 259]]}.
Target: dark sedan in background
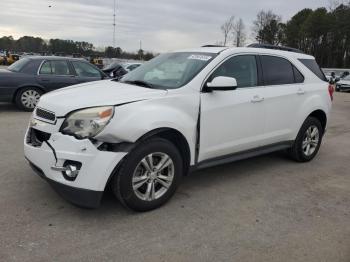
{"points": [[26, 80]]}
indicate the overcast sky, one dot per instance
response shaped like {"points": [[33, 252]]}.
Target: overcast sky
{"points": [[161, 24]]}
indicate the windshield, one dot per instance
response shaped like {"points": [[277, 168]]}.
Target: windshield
{"points": [[17, 66], [347, 78], [169, 71]]}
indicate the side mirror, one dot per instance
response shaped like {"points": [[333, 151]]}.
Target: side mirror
{"points": [[222, 83]]}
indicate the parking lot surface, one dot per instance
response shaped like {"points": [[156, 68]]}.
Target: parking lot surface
{"points": [[267, 208]]}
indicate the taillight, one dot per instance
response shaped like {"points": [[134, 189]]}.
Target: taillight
{"points": [[331, 91]]}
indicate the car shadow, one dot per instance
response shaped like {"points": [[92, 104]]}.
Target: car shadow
{"points": [[213, 176], [8, 107]]}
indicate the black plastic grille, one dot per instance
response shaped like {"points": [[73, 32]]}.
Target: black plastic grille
{"points": [[45, 114]]}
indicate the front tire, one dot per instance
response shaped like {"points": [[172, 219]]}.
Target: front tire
{"points": [[149, 176], [308, 141], [27, 98]]}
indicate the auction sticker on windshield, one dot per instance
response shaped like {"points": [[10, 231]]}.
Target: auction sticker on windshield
{"points": [[200, 57]]}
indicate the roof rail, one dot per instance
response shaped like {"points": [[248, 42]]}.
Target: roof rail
{"points": [[275, 47], [213, 46]]}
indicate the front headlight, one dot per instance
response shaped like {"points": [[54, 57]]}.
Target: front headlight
{"points": [[87, 123]]}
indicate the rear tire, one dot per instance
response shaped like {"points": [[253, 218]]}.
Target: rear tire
{"points": [[308, 141], [27, 98], [149, 175]]}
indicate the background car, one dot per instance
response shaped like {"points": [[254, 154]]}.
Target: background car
{"points": [[26, 80], [343, 84], [9, 59], [117, 69], [98, 62]]}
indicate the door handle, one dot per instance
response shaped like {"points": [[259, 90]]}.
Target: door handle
{"points": [[300, 91], [257, 99]]}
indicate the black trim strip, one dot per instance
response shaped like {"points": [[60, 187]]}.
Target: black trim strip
{"points": [[261, 81], [198, 132], [242, 155]]}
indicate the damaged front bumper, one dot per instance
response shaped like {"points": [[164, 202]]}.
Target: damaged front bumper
{"points": [[49, 154]]}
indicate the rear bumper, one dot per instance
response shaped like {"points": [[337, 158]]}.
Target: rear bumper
{"points": [[78, 196]]}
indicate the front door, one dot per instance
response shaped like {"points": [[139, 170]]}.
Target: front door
{"points": [[233, 121]]}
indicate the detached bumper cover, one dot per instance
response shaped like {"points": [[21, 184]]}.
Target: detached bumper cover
{"points": [[80, 197], [96, 167]]}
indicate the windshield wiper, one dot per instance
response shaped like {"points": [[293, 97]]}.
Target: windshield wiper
{"points": [[139, 83]]}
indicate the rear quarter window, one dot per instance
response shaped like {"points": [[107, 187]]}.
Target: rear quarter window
{"points": [[31, 67], [314, 67], [277, 70]]}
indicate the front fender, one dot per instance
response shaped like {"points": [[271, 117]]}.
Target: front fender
{"points": [[132, 121]]}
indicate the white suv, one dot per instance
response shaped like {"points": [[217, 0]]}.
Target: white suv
{"points": [[181, 111]]}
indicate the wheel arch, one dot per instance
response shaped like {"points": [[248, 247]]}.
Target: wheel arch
{"points": [[321, 116], [172, 135], [176, 138]]}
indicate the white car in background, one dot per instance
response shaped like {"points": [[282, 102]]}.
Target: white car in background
{"points": [[343, 84], [179, 112]]}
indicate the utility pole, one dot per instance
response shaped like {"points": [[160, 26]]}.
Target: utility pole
{"points": [[114, 24], [140, 51]]}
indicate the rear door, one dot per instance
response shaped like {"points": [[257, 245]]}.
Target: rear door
{"points": [[85, 72], [55, 74], [284, 94], [233, 121]]}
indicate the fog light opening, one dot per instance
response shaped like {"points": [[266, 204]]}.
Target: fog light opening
{"points": [[72, 169]]}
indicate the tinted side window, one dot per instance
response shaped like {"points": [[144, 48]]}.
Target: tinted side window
{"points": [[85, 70], [243, 68], [313, 66], [277, 71], [46, 68], [60, 68]]}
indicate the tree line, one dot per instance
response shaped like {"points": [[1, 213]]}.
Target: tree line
{"points": [[31, 44], [323, 33]]}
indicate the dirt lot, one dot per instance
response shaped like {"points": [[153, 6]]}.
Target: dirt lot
{"points": [[262, 209]]}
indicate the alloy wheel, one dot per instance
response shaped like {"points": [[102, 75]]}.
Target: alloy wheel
{"points": [[153, 176], [311, 140]]}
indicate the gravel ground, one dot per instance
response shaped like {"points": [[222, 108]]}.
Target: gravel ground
{"points": [[267, 208]]}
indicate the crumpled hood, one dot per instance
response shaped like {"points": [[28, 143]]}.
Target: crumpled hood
{"points": [[99, 93]]}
